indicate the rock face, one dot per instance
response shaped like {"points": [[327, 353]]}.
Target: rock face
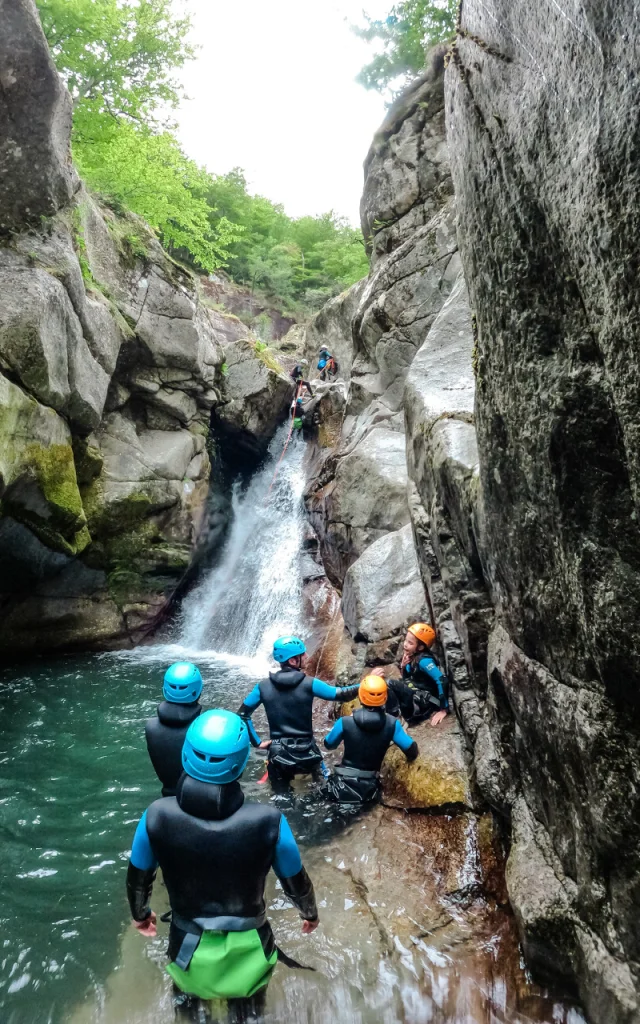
{"points": [[543, 123], [36, 173], [358, 495], [110, 365]]}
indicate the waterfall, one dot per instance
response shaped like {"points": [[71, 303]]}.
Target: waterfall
{"points": [[254, 594]]}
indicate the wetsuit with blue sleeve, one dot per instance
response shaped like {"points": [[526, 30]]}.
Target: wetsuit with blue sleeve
{"points": [[423, 690], [215, 852], [287, 697], [367, 735]]}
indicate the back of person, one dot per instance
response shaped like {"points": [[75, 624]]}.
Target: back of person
{"points": [[165, 734], [287, 697], [368, 734], [215, 852]]}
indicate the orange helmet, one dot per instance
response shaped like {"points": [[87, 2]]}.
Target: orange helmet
{"points": [[373, 692], [423, 632]]}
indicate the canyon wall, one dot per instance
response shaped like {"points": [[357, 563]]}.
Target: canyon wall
{"points": [[484, 446]]}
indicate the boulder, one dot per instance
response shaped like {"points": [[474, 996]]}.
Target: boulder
{"points": [[36, 174], [383, 589], [255, 398], [438, 780]]}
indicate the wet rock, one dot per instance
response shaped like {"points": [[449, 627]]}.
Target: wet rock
{"points": [[438, 778], [546, 186], [383, 589], [36, 174], [255, 399], [332, 327]]}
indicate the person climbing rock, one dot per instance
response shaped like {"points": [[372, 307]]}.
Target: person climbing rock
{"points": [[327, 364], [367, 734], [297, 375], [297, 412], [165, 732], [423, 691], [287, 696], [215, 852]]}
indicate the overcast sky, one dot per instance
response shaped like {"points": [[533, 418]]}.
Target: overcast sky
{"points": [[273, 91]]}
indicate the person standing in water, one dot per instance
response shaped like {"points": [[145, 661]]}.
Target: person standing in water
{"points": [[215, 852], [287, 696], [165, 732], [367, 734], [423, 691]]}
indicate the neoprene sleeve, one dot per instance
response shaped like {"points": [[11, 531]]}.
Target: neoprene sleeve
{"points": [[299, 889], [139, 886]]}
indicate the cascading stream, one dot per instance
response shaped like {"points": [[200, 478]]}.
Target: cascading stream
{"points": [[393, 946], [255, 592]]}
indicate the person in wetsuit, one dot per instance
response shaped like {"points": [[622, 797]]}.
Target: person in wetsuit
{"points": [[367, 734], [215, 852], [287, 696], [297, 375], [165, 732], [423, 691], [327, 364]]}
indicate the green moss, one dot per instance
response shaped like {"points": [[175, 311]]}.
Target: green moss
{"points": [[88, 460], [266, 356], [56, 475], [117, 517]]}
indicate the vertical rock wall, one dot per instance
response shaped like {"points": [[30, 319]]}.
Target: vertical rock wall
{"points": [[543, 132]]}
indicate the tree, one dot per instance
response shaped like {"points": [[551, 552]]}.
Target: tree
{"points": [[411, 27], [118, 56]]}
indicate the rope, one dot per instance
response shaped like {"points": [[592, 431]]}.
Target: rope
{"points": [[286, 444]]}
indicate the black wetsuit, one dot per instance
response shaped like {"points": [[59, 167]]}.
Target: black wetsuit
{"points": [[296, 376], [287, 696], [165, 737], [423, 689], [367, 735], [215, 852]]}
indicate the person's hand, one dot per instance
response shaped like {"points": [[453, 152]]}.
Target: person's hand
{"points": [[437, 718], [310, 926], [147, 927], [379, 671], [265, 745]]}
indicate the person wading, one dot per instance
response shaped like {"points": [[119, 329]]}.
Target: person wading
{"points": [[287, 696], [215, 852], [423, 691], [367, 734], [166, 732]]}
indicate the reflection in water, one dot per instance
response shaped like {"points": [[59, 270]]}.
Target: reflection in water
{"points": [[408, 933]]}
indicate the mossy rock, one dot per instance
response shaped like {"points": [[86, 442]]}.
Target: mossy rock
{"points": [[438, 778], [116, 517]]}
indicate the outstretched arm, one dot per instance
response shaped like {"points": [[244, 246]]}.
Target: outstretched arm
{"points": [[295, 881], [246, 709], [335, 737], [141, 875], [408, 746], [339, 693]]}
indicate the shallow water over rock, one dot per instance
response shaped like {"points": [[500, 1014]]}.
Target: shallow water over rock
{"points": [[408, 932]]}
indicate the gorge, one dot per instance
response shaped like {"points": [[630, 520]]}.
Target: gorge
{"points": [[474, 465]]}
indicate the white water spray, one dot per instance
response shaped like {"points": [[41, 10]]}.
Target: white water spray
{"points": [[255, 592]]}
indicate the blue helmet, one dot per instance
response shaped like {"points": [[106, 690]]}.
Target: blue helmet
{"points": [[216, 747], [182, 683], [287, 647]]}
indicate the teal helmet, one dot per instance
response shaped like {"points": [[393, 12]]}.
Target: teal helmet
{"points": [[216, 747], [287, 647], [182, 683]]}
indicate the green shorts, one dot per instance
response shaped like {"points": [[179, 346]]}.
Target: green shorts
{"points": [[226, 965]]}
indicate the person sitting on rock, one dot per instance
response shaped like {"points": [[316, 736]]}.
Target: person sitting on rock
{"points": [[367, 734], [423, 691], [327, 364], [215, 852], [287, 696], [165, 732], [297, 375]]}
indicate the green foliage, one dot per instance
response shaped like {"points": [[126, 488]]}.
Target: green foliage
{"points": [[298, 263], [119, 59], [410, 28]]}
